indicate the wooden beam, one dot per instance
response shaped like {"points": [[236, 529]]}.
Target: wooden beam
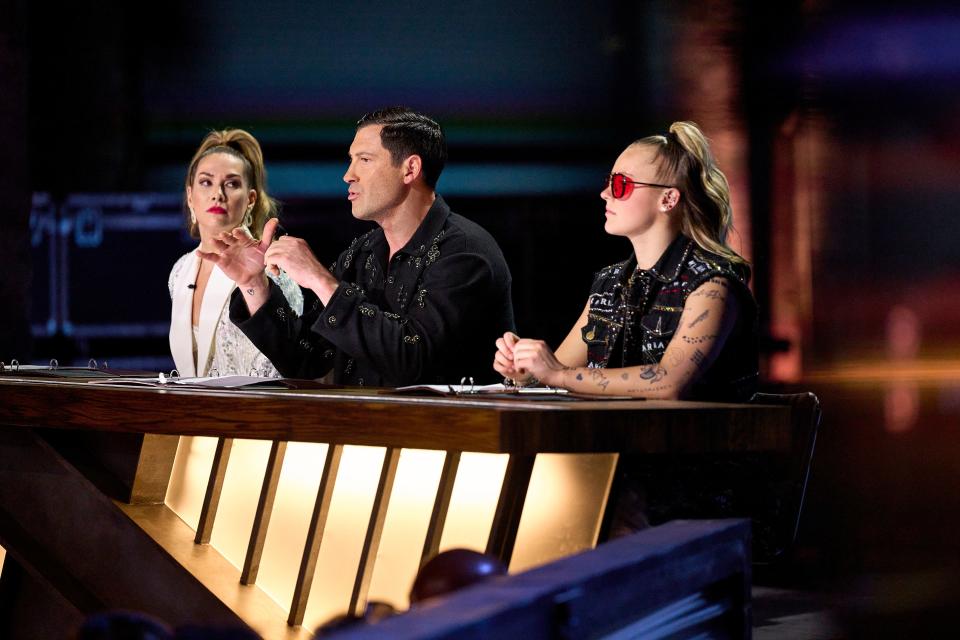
{"points": [[261, 520], [321, 509], [441, 505], [369, 418], [506, 519], [211, 499], [371, 542]]}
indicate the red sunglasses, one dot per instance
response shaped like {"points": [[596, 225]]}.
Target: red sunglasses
{"points": [[621, 186]]}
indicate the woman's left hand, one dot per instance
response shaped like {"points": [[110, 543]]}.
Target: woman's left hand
{"points": [[536, 358]]}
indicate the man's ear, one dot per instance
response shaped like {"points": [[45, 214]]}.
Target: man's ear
{"points": [[670, 199], [412, 168]]}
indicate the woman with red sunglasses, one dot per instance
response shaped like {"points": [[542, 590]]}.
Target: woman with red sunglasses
{"points": [[676, 319]]}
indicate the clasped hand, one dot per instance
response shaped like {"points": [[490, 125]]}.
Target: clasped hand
{"points": [[521, 359]]}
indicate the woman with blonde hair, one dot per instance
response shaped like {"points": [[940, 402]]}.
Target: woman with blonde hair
{"points": [[676, 319], [225, 189]]}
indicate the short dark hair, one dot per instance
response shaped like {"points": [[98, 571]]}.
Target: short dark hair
{"points": [[406, 133]]}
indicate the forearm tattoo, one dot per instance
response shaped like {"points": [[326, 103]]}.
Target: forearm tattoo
{"points": [[699, 339], [600, 379], [653, 374]]}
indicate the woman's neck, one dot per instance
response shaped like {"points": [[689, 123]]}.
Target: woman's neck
{"points": [[650, 246]]}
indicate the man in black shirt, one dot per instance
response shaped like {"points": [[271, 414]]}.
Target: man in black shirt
{"points": [[419, 299]]}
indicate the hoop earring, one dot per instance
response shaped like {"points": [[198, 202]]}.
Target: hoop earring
{"points": [[248, 217]]}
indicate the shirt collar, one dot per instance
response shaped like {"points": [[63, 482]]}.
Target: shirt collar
{"points": [[426, 233], [667, 268]]}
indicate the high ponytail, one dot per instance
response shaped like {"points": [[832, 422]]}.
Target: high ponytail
{"points": [[242, 145], [684, 159]]}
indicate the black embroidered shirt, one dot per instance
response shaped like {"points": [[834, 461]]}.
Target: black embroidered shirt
{"points": [[429, 316]]}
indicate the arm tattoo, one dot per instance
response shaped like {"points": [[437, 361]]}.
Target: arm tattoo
{"points": [[624, 375], [699, 339], [662, 387], [599, 378], [712, 294], [698, 358], [653, 374], [676, 357], [698, 319], [720, 282]]}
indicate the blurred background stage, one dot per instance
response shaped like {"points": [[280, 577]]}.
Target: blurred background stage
{"points": [[836, 122]]}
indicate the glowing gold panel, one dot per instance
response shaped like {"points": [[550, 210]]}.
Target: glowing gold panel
{"points": [[561, 514], [473, 501], [405, 529], [343, 538], [565, 501], [188, 479]]}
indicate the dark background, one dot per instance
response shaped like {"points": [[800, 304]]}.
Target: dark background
{"points": [[836, 122]]}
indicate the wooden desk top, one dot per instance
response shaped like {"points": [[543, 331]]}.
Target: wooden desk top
{"points": [[375, 417]]}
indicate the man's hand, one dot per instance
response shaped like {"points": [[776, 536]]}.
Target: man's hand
{"points": [[294, 256]]}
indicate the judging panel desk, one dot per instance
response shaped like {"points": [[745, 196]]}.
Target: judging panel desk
{"points": [[523, 425], [542, 444]]}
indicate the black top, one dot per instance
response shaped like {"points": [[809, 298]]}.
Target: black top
{"points": [[431, 316], [634, 314]]}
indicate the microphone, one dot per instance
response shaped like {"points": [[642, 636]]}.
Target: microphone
{"points": [[191, 286]]}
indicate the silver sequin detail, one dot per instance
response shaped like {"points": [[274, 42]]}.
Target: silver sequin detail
{"points": [[421, 297]]}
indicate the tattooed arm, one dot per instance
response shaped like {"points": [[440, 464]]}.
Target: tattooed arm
{"points": [[708, 319]]}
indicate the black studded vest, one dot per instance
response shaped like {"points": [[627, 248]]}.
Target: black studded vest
{"points": [[635, 312]]}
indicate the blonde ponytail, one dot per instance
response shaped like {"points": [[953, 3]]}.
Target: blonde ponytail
{"points": [[685, 160]]}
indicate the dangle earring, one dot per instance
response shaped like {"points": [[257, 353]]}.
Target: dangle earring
{"points": [[248, 217], [193, 217]]}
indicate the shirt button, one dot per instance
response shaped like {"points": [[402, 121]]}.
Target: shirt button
{"points": [[332, 321], [348, 292], [390, 280]]}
